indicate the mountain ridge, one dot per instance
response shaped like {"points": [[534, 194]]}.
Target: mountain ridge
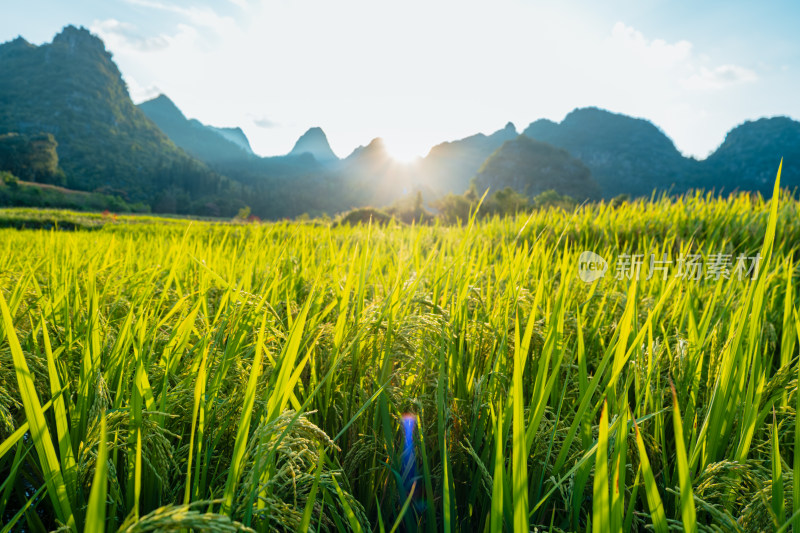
{"points": [[71, 88], [626, 155], [749, 155], [449, 166], [531, 167], [314, 142], [207, 143]]}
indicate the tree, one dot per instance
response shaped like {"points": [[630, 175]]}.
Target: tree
{"points": [[7, 178], [551, 198], [243, 214], [507, 201], [31, 158], [455, 208]]}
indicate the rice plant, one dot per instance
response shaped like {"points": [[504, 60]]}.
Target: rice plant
{"points": [[201, 376]]}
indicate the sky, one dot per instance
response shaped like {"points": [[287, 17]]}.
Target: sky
{"points": [[417, 73]]}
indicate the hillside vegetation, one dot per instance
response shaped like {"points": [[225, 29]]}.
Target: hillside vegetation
{"points": [[532, 167], [73, 91]]}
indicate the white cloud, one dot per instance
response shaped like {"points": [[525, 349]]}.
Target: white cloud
{"points": [[264, 122], [720, 77], [203, 17], [241, 4], [656, 52], [693, 71], [139, 93], [122, 34]]}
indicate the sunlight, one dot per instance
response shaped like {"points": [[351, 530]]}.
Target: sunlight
{"points": [[405, 153]]}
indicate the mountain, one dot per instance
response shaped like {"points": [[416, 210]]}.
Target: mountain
{"points": [[72, 89], [373, 154], [15, 47], [314, 142], [373, 176], [531, 167], [625, 155], [206, 143], [748, 157], [66, 119], [236, 136], [450, 166]]}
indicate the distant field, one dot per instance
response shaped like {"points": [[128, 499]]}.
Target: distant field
{"points": [[157, 374], [62, 219]]}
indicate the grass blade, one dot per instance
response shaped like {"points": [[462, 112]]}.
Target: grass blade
{"points": [[497, 481], [601, 517], [687, 495], [519, 445], [243, 429], [48, 460], [657, 515], [96, 512], [778, 505], [312, 496]]}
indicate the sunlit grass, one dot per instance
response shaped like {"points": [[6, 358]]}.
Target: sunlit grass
{"points": [[224, 377]]}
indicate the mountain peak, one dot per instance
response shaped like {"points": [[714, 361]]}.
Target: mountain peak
{"points": [[625, 154], [374, 151], [162, 105], [508, 132], [207, 143], [163, 99], [595, 117], [79, 38], [751, 151], [20, 42], [17, 45], [531, 167], [314, 142], [236, 136], [376, 144]]}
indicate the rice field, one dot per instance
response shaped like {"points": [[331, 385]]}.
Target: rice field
{"points": [[200, 376]]}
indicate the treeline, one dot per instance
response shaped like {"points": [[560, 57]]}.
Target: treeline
{"points": [[16, 193], [458, 208], [288, 187], [30, 176]]}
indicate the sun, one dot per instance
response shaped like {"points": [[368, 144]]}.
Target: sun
{"points": [[402, 152]]}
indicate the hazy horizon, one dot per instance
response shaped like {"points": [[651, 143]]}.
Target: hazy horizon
{"points": [[420, 75]]}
